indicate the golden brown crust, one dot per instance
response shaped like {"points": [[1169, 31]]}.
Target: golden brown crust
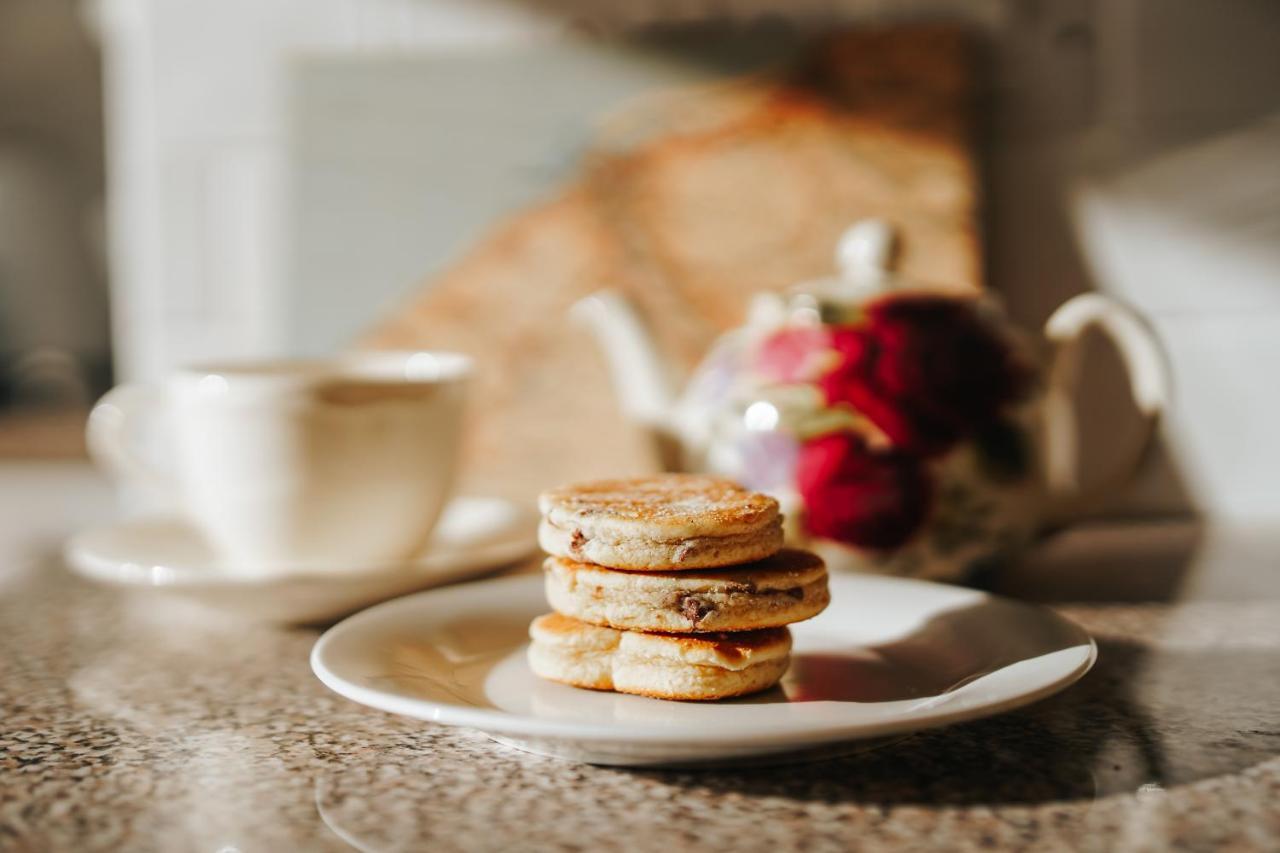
{"points": [[557, 623], [661, 507], [731, 645]]}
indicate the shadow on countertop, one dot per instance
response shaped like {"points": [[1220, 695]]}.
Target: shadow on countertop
{"points": [[1140, 718]]}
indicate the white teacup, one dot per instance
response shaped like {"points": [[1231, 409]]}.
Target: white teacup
{"points": [[299, 466]]}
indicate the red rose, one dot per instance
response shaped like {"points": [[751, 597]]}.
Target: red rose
{"points": [[925, 369], [853, 494]]}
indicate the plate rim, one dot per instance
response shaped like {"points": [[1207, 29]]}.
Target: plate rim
{"points": [[509, 723]]}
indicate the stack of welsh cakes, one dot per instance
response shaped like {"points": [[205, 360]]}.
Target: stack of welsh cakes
{"points": [[673, 586]]}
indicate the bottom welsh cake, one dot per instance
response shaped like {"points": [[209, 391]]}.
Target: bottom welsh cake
{"points": [[696, 667]]}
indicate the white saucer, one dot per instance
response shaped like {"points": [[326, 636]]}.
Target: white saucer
{"points": [[474, 536], [888, 656]]}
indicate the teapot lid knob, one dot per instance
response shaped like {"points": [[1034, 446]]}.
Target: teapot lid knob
{"points": [[866, 251]]}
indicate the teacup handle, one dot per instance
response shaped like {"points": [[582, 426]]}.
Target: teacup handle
{"points": [[1149, 385], [107, 435]]}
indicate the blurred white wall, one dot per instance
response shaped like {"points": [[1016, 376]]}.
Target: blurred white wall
{"points": [[1130, 154]]}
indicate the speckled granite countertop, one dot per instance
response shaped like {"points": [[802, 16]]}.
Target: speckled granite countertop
{"points": [[144, 723]]}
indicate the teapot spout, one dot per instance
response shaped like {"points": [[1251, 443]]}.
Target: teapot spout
{"points": [[638, 371]]}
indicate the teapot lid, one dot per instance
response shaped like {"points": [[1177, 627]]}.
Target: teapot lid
{"points": [[867, 250], [865, 254]]}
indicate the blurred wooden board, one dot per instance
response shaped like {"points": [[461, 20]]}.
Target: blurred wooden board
{"points": [[690, 201]]}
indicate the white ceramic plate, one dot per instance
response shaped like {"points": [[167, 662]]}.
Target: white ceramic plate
{"points": [[888, 656], [474, 536]]}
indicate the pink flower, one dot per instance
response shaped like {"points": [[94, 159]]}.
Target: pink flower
{"points": [[794, 354]]}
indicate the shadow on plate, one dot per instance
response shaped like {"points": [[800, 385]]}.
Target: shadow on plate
{"points": [[951, 649]]}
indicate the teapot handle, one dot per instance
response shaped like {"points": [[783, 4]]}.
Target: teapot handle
{"points": [[1149, 385]]}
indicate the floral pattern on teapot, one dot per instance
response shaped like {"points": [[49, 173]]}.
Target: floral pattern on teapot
{"points": [[903, 429], [896, 428]]}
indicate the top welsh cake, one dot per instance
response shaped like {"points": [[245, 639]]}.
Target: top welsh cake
{"points": [[664, 522]]}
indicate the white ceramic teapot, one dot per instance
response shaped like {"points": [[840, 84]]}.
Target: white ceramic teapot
{"points": [[904, 430]]}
